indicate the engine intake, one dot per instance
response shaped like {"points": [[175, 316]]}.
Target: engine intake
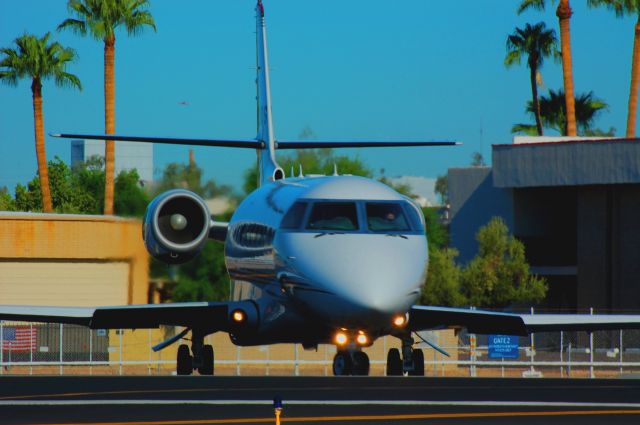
{"points": [[176, 226]]}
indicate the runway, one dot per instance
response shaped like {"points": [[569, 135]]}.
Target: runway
{"points": [[344, 400]]}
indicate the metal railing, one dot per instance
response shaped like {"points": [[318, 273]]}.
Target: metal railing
{"points": [[34, 348]]}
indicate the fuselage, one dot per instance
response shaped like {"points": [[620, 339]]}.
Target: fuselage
{"points": [[318, 254]]}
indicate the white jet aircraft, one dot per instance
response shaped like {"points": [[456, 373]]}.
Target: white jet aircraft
{"points": [[312, 260]]}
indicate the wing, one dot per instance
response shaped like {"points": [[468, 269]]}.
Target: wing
{"points": [[476, 321], [488, 322], [579, 322], [209, 316]]}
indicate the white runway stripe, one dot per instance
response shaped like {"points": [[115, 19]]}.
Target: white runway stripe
{"points": [[315, 403]]}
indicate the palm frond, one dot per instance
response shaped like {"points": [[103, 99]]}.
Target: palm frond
{"points": [[530, 4]]}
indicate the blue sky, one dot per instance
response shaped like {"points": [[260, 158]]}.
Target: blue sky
{"points": [[412, 69]]}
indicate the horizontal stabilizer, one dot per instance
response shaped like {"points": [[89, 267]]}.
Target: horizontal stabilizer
{"points": [[255, 144], [248, 144], [356, 144]]}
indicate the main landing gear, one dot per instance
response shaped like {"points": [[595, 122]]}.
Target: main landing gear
{"points": [[201, 360], [411, 362], [347, 362]]}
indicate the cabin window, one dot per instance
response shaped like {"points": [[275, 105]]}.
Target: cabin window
{"points": [[293, 218], [340, 216], [386, 217]]}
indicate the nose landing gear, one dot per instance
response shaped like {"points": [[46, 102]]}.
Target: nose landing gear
{"points": [[411, 363], [347, 362]]}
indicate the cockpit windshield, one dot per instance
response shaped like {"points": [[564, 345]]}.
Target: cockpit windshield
{"points": [[333, 216], [386, 217]]}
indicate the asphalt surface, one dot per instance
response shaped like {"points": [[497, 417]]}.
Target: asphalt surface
{"points": [[344, 400]]}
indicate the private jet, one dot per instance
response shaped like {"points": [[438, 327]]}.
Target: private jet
{"points": [[334, 259]]}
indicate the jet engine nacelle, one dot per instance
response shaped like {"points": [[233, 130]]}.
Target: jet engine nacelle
{"points": [[176, 226]]}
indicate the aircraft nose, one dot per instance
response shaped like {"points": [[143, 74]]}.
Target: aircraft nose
{"points": [[363, 271]]}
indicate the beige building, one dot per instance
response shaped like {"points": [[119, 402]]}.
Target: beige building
{"points": [[72, 260]]}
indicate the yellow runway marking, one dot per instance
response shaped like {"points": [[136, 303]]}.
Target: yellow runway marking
{"points": [[96, 393], [371, 417]]}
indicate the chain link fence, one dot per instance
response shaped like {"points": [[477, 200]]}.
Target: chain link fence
{"points": [[38, 348]]}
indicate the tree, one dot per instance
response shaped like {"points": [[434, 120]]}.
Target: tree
{"points": [[38, 59], [443, 280], [537, 43], [626, 8], [442, 188], [552, 109], [477, 160], [100, 18], [437, 234], [79, 190], [6, 201], [563, 12], [499, 275], [311, 161]]}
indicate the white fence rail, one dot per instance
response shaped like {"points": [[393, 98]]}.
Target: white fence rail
{"points": [[27, 348]]}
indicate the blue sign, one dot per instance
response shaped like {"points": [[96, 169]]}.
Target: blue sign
{"points": [[503, 347]]}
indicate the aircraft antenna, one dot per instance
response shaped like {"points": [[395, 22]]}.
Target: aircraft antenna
{"points": [[301, 175], [292, 173], [335, 169]]}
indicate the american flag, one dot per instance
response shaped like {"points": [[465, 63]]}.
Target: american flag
{"points": [[19, 338]]}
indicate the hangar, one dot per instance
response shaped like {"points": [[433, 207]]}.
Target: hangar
{"points": [[72, 260], [574, 203]]}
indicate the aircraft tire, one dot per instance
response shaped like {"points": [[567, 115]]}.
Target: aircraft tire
{"points": [[184, 361], [342, 364], [394, 363], [207, 360], [360, 363], [417, 357]]}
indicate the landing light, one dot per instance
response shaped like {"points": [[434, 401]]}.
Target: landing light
{"points": [[238, 316], [399, 320], [341, 338], [362, 338]]}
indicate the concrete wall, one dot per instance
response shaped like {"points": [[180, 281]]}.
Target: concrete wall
{"points": [[57, 257]]}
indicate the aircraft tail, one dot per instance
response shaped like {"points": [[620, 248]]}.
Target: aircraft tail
{"points": [[267, 166], [265, 142]]}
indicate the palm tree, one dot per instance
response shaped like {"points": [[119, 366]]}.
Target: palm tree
{"points": [[100, 18], [625, 8], [537, 43], [39, 60], [553, 113], [563, 12]]}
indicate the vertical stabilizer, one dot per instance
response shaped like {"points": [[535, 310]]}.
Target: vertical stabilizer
{"points": [[268, 168]]}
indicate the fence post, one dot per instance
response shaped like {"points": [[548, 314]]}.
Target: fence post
{"points": [[1, 347], [384, 353], [61, 336], [592, 375], [31, 348], [120, 360], [296, 368], [326, 357], [268, 360], [532, 347], [561, 354], [90, 351], [237, 360], [621, 349], [150, 351], [472, 347]]}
